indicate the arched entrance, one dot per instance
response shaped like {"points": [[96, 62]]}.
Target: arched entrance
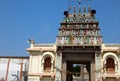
{"points": [[87, 66], [84, 56]]}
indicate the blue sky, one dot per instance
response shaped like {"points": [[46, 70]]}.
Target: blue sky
{"points": [[39, 19]]}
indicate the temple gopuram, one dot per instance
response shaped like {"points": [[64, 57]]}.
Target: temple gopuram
{"points": [[78, 44]]}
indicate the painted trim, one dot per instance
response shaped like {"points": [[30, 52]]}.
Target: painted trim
{"points": [[21, 68], [110, 54], [47, 54], [7, 69]]}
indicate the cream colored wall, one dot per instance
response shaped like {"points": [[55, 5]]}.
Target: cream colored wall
{"points": [[36, 62], [110, 47], [34, 67], [33, 78]]}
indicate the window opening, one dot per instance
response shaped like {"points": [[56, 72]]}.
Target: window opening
{"points": [[110, 65], [47, 63]]}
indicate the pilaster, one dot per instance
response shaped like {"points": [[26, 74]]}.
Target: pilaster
{"points": [[58, 66], [98, 66], [93, 77]]}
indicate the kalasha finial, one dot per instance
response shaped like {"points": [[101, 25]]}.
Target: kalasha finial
{"points": [[31, 41], [84, 9], [89, 9], [93, 12], [74, 10], [77, 5], [79, 10], [66, 13]]}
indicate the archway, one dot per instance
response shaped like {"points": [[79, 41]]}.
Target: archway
{"points": [[87, 66], [110, 63], [47, 64]]}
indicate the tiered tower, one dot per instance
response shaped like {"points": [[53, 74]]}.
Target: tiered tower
{"points": [[78, 42], [79, 28]]}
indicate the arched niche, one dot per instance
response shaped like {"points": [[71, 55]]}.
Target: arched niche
{"points": [[47, 61], [110, 63]]}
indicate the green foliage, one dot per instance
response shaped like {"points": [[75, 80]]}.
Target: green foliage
{"points": [[76, 70]]}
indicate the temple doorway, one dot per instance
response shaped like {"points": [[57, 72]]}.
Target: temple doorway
{"points": [[78, 66], [78, 71]]}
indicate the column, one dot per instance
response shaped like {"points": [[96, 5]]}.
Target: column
{"points": [[116, 68], [21, 69], [92, 74], [82, 72], [52, 67], [58, 66], [64, 69], [98, 66]]}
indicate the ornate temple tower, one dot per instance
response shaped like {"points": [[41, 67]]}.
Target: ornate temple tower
{"points": [[78, 42], [79, 28]]}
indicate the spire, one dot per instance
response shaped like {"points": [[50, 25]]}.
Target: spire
{"points": [[79, 10], [89, 9], [84, 9], [74, 10], [75, 7]]}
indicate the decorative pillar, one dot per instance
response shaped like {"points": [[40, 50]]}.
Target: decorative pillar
{"points": [[104, 67], [116, 68], [92, 69], [52, 67], [58, 66], [40, 63], [64, 68], [21, 69], [98, 66], [42, 67], [29, 69], [82, 72]]}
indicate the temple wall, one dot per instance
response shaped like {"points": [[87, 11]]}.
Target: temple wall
{"points": [[40, 69], [12, 68]]}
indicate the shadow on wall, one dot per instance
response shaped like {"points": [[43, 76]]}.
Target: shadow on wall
{"points": [[2, 79]]}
